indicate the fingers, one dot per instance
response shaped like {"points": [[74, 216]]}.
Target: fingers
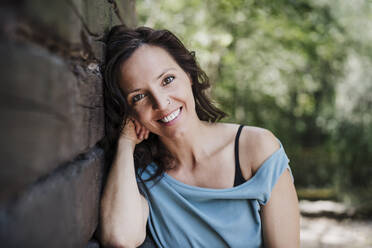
{"points": [[140, 130], [142, 133], [128, 131], [137, 126]]}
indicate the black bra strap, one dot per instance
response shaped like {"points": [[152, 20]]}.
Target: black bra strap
{"points": [[239, 179]]}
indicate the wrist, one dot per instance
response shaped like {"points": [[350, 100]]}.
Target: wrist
{"points": [[125, 142]]}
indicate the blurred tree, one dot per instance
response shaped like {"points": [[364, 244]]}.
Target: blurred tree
{"points": [[283, 65]]}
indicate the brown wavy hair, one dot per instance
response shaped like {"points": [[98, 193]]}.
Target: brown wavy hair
{"points": [[121, 42]]}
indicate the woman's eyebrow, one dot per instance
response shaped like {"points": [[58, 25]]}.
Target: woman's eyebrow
{"points": [[132, 91], [165, 71]]}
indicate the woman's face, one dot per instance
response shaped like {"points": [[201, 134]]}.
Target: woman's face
{"points": [[158, 91]]}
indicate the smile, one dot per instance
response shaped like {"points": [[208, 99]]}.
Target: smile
{"points": [[171, 116]]}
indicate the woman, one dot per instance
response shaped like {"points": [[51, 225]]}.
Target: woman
{"points": [[201, 183]]}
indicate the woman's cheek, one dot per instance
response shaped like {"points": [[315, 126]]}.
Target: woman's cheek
{"points": [[144, 116], [137, 115]]}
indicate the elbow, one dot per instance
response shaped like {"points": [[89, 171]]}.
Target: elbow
{"points": [[122, 240], [119, 243]]}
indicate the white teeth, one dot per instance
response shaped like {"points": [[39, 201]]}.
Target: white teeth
{"points": [[171, 116]]}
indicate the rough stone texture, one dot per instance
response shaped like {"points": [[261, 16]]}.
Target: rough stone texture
{"points": [[50, 115], [56, 15], [98, 15], [58, 211], [77, 24], [127, 10], [68, 17], [51, 108]]}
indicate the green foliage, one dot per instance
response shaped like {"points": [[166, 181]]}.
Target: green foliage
{"points": [[298, 68], [314, 194]]}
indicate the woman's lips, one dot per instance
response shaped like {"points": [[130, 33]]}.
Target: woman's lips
{"points": [[171, 118]]}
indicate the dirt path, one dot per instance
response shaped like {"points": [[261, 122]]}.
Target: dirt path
{"points": [[322, 232]]}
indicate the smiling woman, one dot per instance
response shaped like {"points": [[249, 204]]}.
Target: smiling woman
{"points": [[158, 91], [192, 181]]}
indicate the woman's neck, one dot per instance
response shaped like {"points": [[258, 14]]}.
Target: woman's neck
{"points": [[190, 148]]}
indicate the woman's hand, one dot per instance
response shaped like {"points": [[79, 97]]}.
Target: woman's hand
{"points": [[134, 132]]}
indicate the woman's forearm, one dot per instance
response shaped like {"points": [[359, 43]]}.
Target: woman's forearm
{"points": [[124, 210]]}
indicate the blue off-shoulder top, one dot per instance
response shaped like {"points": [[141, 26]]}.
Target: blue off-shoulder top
{"points": [[182, 215]]}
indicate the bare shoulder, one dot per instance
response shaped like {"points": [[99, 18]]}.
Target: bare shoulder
{"points": [[224, 134], [258, 145], [255, 145], [227, 130]]}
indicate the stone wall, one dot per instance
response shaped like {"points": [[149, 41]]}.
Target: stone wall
{"points": [[52, 118]]}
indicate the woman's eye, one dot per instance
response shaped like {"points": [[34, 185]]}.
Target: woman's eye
{"points": [[138, 97], [168, 80]]}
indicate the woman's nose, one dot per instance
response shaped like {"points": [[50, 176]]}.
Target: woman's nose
{"points": [[160, 101]]}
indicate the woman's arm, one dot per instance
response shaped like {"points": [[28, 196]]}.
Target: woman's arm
{"points": [[280, 216], [124, 211]]}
